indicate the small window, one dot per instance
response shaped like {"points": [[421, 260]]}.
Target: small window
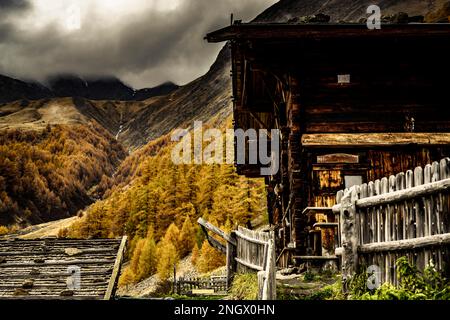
{"points": [[351, 181], [343, 78]]}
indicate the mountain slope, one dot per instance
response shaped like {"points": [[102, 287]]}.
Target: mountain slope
{"points": [[352, 10], [13, 89], [200, 100], [51, 174]]}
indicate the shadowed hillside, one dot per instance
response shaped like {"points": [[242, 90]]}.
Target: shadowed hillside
{"points": [[340, 10]]}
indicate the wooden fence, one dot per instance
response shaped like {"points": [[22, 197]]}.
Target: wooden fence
{"points": [[217, 285], [251, 251], [247, 251], [403, 215]]}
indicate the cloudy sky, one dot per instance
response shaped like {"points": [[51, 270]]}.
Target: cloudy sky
{"points": [[143, 42]]}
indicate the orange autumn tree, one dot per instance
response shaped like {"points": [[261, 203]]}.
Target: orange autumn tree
{"points": [[168, 252], [186, 238], [143, 262], [209, 259]]}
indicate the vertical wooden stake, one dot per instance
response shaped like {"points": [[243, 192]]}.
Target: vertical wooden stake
{"points": [[231, 261], [349, 236]]}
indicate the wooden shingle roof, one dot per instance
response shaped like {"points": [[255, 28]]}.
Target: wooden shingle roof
{"points": [[60, 268]]}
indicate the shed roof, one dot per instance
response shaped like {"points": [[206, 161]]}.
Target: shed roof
{"points": [[60, 268], [286, 31]]}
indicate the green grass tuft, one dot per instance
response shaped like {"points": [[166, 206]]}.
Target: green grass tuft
{"points": [[244, 287]]}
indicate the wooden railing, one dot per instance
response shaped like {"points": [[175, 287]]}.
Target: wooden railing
{"points": [[403, 215], [247, 251]]}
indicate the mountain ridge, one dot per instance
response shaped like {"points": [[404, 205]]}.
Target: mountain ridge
{"points": [[70, 85]]}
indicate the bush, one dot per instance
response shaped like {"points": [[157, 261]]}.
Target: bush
{"points": [[330, 292], [414, 285]]}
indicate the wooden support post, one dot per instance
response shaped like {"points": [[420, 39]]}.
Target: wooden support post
{"points": [[349, 237], [231, 259], [112, 285]]}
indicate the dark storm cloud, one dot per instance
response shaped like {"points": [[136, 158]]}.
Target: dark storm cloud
{"points": [[13, 5], [144, 48]]}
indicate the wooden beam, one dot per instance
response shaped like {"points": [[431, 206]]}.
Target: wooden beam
{"points": [[216, 230], [318, 258], [257, 241], [407, 244], [110, 291], [214, 243], [309, 210], [374, 139], [296, 32], [249, 265], [326, 225]]}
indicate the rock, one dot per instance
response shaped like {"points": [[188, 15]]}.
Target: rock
{"points": [[288, 271], [67, 293], [2, 260], [42, 248], [400, 17], [34, 272], [318, 18], [28, 284], [302, 268], [417, 19], [72, 251], [20, 292]]}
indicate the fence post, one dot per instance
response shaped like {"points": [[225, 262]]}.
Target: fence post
{"points": [[349, 236], [269, 289], [231, 261]]}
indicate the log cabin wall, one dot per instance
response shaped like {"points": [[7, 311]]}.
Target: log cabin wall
{"points": [[398, 92]]}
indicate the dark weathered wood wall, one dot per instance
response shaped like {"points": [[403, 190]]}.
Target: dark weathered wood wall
{"points": [[396, 86]]}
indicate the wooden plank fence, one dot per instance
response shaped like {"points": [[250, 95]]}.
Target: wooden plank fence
{"points": [[403, 215], [217, 284], [248, 251], [251, 250]]}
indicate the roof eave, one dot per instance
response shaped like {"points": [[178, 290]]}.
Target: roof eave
{"points": [[320, 30]]}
